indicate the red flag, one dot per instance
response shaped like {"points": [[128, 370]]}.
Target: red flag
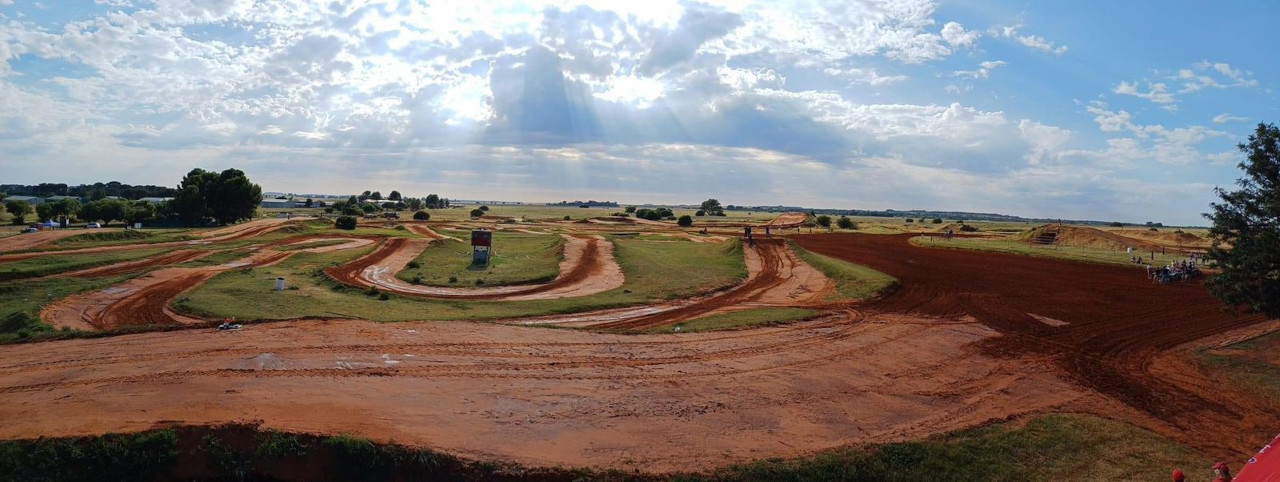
{"points": [[1264, 467]]}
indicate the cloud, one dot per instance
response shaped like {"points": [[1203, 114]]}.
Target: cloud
{"points": [[1156, 92], [1225, 118], [1217, 75], [1034, 42], [956, 35], [857, 76], [698, 25], [984, 70], [1045, 140]]}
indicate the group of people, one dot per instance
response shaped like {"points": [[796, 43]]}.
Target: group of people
{"points": [[1180, 270], [1221, 473]]}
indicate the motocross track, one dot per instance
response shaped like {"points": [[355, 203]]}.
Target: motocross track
{"points": [[230, 233], [588, 268], [1116, 323]]}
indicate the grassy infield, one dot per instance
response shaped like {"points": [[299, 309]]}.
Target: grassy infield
{"points": [[1099, 448]]}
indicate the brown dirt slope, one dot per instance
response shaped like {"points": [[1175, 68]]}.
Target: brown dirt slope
{"points": [[1085, 237], [1116, 323]]}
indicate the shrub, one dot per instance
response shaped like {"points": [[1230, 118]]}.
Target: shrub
{"points": [[967, 228], [824, 221], [845, 223], [384, 296], [421, 216], [566, 217], [909, 220], [685, 221], [700, 213], [937, 220], [1117, 224], [373, 290], [631, 209], [413, 264], [475, 213], [345, 222], [484, 208], [479, 281], [453, 279]]}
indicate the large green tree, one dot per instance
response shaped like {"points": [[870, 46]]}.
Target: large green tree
{"points": [[105, 210], [712, 207], [1246, 229], [19, 210], [225, 197]]}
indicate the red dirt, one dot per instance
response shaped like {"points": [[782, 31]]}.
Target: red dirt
{"points": [[230, 233], [587, 270], [1117, 322], [175, 257]]}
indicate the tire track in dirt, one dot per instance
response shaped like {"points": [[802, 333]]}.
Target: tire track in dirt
{"points": [[1117, 323], [588, 268], [244, 231], [176, 257]]}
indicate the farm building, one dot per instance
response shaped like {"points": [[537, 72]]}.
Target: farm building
{"points": [[277, 204], [155, 200], [54, 199]]}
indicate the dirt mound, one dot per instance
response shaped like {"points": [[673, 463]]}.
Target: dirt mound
{"points": [[1116, 322], [1174, 238], [1082, 237]]}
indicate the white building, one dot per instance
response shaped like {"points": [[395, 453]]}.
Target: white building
{"points": [[155, 200], [32, 200]]}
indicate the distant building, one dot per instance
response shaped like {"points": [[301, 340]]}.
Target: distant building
{"points": [[32, 200], [54, 199], [155, 200], [277, 204]]}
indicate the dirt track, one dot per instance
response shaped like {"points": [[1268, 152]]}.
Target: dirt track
{"points": [[1116, 323], [229, 233], [588, 268]]}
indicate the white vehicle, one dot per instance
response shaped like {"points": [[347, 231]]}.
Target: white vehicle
{"points": [[92, 226]]}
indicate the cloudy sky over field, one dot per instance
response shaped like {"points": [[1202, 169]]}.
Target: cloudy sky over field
{"points": [[1098, 110]]}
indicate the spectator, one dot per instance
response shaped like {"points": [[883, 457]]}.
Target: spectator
{"points": [[1178, 477], [1221, 473]]}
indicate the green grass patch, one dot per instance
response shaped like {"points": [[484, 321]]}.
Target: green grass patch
{"points": [[517, 258], [45, 265], [655, 270], [1072, 253], [21, 302], [738, 319], [853, 281], [140, 456], [1049, 447], [1246, 365], [219, 257], [95, 238]]}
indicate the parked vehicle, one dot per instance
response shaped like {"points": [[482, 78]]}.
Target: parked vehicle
{"points": [[92, 226], [29, 229]]}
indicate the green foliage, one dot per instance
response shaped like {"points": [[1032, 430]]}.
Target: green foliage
{"points": [[909, 220], [657, 214], [275, 444], [685, 221], [345, 222], [421, 216], [225, 197], [712, 206], [967, 228], [19, 210], [475, 213], [845, 223], [566, 217], [484, 208], [824, 221], [937, 220], [700, 213], [144, 456], [105, 210], [1248, 220], [1117, 224], [630, 209]]}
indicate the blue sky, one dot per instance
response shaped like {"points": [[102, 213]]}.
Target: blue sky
{"points": [[1098, 110]]}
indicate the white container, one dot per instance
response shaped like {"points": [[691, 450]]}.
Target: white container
{"points": [[279, 284]]}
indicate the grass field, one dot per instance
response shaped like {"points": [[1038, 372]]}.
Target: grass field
{"points": [[93, 238], [46, 265], [21, 301], [999, 245], [1100, 450], [738, 319], [853, 282], [1246, 364], [655, 270], [518, 258]]}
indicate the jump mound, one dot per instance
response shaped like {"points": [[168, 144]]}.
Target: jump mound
{"points": [[1081, 237]]}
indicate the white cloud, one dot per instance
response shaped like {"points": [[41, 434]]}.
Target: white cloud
{"points": [[984, 70], [1217, 75], [1045, 140], [1225, 118], [1156, 92], [956, 35], [864, 76], [1035, 42]]}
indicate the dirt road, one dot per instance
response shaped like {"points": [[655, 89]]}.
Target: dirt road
{"points": [[1113, 322], [537, 396]]}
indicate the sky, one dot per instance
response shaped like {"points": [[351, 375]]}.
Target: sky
{"points": [[1098, 110]]}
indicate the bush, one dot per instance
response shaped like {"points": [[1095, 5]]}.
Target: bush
{"points": [[700, 213], [475, 213], [685, 221], [453, 279], [967, 228], [1117, 224], [566, 217], [824, 221], [421, 216], [413, 264], [845, 223], [631, 209], [937, 220], [909, 220], [484, 208], [345, 222], [384, 296]]}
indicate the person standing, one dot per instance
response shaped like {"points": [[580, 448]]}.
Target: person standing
{"points": [[1221, 473]]}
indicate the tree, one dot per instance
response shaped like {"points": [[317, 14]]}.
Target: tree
{"points": [[475, 213], [937, 220], [484, 208], [845, 223], [712, 206], [432, 201], [19, 210], [1248, 221], [685, 221], [394, 196], [364, 196], [105, 210], [345, 222], [631, 209], [355, 200], [700, 213], [422, 216], [414, 203], [232, 197], [66, 207], [309, 203], [44, 212], [824, 221], [376, 196], [368, 208], [1117, 224], [140, 212], [909, 220]]}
